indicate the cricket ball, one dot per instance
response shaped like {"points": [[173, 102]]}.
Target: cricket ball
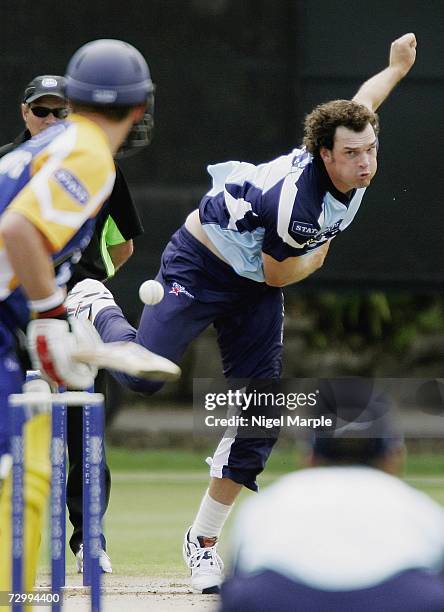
{"points": [[151, 292]]}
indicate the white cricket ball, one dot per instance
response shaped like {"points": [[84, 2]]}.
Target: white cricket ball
{"points": [[151, 292]]}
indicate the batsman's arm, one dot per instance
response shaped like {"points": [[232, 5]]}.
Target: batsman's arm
{"points": [[402, 57], [293, 269], [28, 253], [50, 338]]}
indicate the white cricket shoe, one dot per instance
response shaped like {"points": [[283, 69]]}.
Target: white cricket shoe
{"points": [[130, 358], [87, 298], [104, 561], [205, 565]]}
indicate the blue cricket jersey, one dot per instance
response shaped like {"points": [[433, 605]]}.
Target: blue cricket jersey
{"points": [[284, 208]]}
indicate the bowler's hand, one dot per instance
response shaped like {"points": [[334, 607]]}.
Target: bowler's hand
{"points": [[403, 53]]}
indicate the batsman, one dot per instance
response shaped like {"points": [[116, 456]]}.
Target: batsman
{"points": [[52, 188]]}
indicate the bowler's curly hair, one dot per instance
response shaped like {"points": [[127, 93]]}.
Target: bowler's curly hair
{"points": [[320, 125]]}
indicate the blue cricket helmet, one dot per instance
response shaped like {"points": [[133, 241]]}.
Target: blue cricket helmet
{"points": [[108, 72]]}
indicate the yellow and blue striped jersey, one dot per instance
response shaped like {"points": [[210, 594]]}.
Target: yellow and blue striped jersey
{"points": [[58, 180]]}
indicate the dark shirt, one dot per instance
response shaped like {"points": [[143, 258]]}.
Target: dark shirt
{"points": [[120, 206]]}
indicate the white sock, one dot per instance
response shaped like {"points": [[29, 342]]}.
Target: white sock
{"points": [[210, 518]]}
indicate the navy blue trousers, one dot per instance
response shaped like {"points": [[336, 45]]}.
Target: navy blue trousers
{"points": [[201, 290]]}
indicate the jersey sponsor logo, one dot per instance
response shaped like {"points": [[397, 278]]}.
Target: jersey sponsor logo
{"points": [[327, 233], [306, 230], [330, 231], [176, 289], [72, 185]]}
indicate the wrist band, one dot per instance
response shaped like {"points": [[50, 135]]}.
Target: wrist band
{"points": [[59, 312], [48, 303]]}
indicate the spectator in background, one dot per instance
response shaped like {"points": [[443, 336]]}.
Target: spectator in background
{"points": [[346, 534]]}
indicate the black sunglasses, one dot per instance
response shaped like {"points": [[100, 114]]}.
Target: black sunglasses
{"points": [[43, 111]]}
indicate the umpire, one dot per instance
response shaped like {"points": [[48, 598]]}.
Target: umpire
{"points": [[43, 104]]}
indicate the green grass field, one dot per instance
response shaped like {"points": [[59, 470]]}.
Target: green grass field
{"points": [[155, 495]]}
